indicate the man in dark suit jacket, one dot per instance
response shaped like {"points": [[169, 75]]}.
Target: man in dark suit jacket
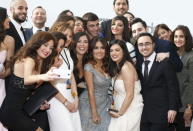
{"points": [[159, 87], [18, 9], [164, 48], [38, 20]]}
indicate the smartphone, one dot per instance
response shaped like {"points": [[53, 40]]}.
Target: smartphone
{"points": [[113, 110], [62, 73]]}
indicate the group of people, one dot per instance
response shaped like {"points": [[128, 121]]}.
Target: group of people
{"points": [[120, 77]]}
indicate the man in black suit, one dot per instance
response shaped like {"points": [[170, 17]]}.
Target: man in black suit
{"points": [[165, 49], [18, 9], [159, 87], [38, 20]]}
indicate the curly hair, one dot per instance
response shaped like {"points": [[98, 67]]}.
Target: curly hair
{"points": [[30, 50]]}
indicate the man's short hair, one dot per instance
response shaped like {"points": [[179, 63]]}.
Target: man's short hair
{"points": [[136, 20], [116, 0]]}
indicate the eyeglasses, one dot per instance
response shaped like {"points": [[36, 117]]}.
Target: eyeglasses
{"points": [[146, 44]]}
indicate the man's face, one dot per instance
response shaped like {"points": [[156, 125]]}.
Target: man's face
{"points": [[145, 46], [121, 7], [39, 16], [137, 28], [19, 11], [93, 28]]}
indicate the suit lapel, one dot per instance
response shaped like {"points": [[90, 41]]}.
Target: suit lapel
{"points": [[152, 70]]}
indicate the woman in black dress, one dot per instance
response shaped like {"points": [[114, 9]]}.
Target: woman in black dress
{"points": [[30, 67], [79, 55]]}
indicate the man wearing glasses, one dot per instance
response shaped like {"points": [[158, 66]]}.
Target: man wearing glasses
{"points": [[159, 87]]}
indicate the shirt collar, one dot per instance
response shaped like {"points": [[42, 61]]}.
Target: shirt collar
{"points": [[151, 57], [35, 29], [16, 24]]}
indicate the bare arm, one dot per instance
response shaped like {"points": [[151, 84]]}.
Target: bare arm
{"points": [[30, 78], [128, 74], [89, 81]]}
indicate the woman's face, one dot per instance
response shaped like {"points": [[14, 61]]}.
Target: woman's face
{"points": [[179, 38], [163, 34], [117, 27], [78, 27], [99, 51], [82, 45], [45, 49], [71, 23], [116, 53], [68, 34], [61, 44], [6, 23]]}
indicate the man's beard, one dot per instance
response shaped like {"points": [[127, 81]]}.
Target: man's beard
{"points": [[16, 18]]}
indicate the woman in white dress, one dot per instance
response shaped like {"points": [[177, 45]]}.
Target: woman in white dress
{"points": [[6, 51], [63, 114], [127, 98]]}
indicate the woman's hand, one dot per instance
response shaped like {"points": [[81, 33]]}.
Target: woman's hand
{"points": [[75, 104], [187, 114], [70, 106], [45, 106], [96, 119], [57, 62], [50, 75], [114, 114]]}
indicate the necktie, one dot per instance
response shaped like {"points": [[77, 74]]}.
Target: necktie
{"points": [[146, 62], [23, 33], [38, 31]]}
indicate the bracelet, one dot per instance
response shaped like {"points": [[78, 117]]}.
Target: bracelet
{"points": [[74, 94], [189, 106], [65, 102]]}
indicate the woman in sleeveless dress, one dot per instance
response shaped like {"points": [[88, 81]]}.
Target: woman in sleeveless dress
{"points": [[127, 99], [63, 114], [79, 54], [94, 101], [6, 51], [29, 67]]}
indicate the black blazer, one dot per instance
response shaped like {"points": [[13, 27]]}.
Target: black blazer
{"points": [[13, 32], [29, 32], [160, 92]]}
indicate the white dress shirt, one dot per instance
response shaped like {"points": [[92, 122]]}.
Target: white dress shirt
{"points": [[18, 28], [151, 58]]}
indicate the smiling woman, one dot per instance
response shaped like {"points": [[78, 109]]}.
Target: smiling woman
{"points": [[30, 69]]}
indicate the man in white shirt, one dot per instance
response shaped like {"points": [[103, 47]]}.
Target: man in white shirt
{"points": [[18, 9]]}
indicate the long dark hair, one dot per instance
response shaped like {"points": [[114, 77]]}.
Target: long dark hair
{"points": [[73, 52], [3, 16], [126, 34], [105, 59], [115, 69], [30, 50], [188, 37]]}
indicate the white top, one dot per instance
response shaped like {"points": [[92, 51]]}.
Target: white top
{"points": [[18, 27], [131, 50], [151, 59]]}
